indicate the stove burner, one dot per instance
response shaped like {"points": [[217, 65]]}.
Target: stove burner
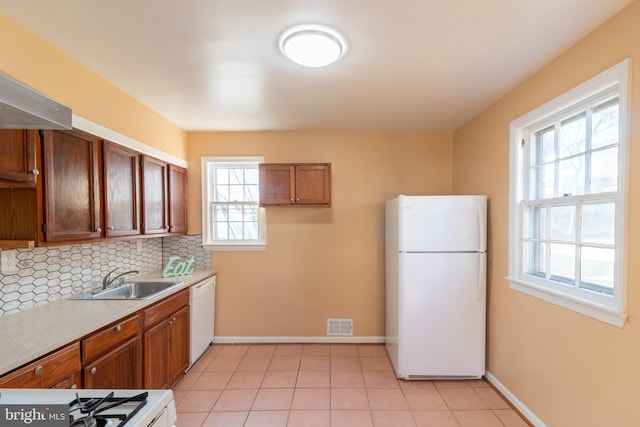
{"points": [[95, 412]]}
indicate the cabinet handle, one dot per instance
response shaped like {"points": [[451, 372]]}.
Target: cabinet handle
{"points": [[118, 328], [167, 227], [111, 227], [38, 370], [292, 200], [98, 230], [36, 172], [297, 199], [94, 370], [74, 386]]}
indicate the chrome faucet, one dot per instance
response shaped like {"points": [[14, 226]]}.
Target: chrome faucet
{"points": [[108, 280]]}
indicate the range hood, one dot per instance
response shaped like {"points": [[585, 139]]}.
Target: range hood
{"points": [[24, 108]]}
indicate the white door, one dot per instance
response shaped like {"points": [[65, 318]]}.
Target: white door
{"points": [[442, 223], [441, 329]]}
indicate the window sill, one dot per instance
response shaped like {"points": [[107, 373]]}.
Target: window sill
{"points": [[234, 246], [588, 308]]}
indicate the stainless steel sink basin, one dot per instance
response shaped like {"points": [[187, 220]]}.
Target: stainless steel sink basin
{"points": [[133, 290]]}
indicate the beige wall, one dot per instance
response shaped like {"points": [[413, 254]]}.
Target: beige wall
{"points": [[320, 262], [569, 369], [35, 63]]}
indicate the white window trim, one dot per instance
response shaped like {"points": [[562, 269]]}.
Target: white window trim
{"points": [[611, 310], [206, 215]]}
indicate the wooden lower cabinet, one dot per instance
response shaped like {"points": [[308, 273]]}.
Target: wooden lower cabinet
{"points": [[119, 369], [60, 369], [166, 341], [112, 356]]}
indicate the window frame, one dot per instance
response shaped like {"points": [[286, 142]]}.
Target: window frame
{"points": [[208, 242], [609, 309]]}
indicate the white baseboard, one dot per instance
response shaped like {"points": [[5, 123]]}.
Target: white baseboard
{"points": [[526, 412], [298, 340]]}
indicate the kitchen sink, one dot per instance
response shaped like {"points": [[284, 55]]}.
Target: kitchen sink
{"points": [[132, 290]]}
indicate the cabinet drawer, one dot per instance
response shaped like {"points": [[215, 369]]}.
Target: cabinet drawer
{"points": [[166, 307], [110, 337], [47, 371]]}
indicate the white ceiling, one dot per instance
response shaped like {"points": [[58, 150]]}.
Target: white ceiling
{"points": [[410, 64]]}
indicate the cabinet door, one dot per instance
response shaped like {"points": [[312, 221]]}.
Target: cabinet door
{"points": [[277, 184], [156, 349], [122, 213], [18, 157], [120, 368], [71, 186], [177, 200], [313, 184], [154, 196], [178, 344]]}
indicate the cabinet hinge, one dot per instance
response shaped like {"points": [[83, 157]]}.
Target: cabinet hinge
{"points": [[522, 143], [44, 227]]}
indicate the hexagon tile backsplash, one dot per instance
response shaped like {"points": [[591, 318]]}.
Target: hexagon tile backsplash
{"points": [[51, 273]]}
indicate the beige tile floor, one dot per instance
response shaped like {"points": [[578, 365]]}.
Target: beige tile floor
{"points": [[333, 385]]}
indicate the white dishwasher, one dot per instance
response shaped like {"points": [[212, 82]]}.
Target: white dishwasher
{"points": [[202, 299]]}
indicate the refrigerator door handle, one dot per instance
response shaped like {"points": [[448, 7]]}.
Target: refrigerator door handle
{"points": [[482, 227], [482, 272]]}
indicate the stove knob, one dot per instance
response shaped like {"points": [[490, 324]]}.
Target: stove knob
{"points": [[94, 370], [38, 370]]}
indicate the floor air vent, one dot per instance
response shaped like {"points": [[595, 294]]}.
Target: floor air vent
{"points": [[339, 326]]}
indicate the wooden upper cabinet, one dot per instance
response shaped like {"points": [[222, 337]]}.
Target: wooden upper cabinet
{"points": [[121, 195], [154, 191], [71, 190], [18, 157], [177, 200], [295, 184]]}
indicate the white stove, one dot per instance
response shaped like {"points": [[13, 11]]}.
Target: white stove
{"points": [[87, 408]]}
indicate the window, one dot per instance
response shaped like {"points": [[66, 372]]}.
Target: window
{"points": [[232, 218], [567, 213]]}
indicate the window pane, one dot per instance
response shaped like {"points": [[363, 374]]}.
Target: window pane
{"points": [[537, 228], [543, 148], [221, 193], [604, 170], [250, 214], [536, 259], [251, 193], [572, 137], [235, 231], [563, 263], [220, 213], [251, 176], [236, 193], [563, 227], [598, 222], [597, 269], [604, 124], [220, 231], [251, 230], [571, 176], [235, 212], [236, 176], [222, 176], [547, 186]]}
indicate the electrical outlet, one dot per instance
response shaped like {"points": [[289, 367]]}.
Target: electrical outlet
{"points": [[8, 263]]}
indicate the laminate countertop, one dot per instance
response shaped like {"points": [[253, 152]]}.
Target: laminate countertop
{"points": [[32, 333]]}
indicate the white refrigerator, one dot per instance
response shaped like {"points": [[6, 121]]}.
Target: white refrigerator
{"points": [[435, 286]]}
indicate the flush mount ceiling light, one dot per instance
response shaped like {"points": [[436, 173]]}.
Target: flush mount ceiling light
{"points": [[312, 45]]}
